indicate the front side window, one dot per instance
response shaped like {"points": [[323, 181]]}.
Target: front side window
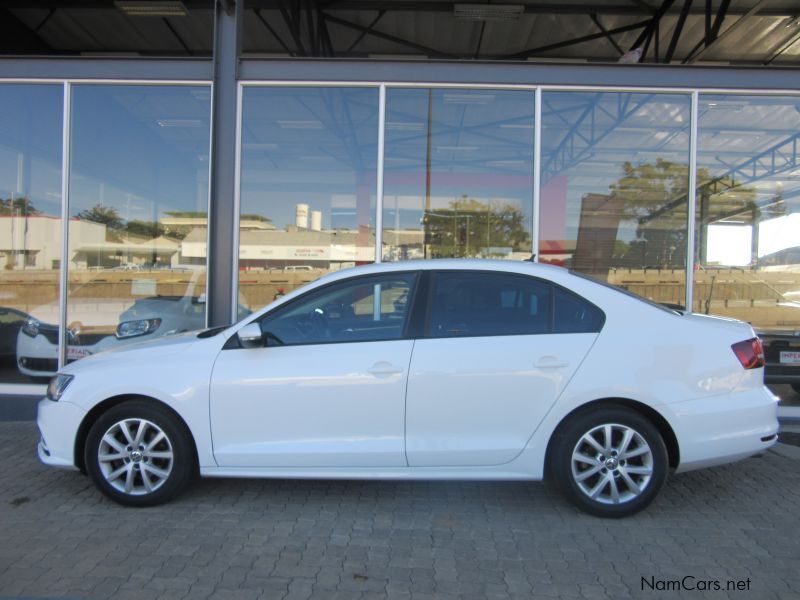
{"points": [[471, 304], [359, 310]]}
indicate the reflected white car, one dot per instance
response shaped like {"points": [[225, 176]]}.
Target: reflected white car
{"points": [[452, 369], [89, 332]]}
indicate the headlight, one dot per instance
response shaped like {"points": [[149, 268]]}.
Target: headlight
{"points": [[131, 329], [31, 327], [57, 385]]}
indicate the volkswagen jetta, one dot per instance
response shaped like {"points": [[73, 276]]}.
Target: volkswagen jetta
{"points": [[451, 369]]}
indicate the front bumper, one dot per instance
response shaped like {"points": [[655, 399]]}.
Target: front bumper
{"points": [[58, 426], [721, 429]]}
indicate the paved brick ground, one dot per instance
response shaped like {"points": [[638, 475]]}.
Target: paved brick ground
{"points": [[239, 539]]}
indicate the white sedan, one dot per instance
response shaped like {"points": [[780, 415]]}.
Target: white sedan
{"points": [[449, 369]]}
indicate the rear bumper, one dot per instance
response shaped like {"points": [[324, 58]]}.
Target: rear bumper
{"points": [[58, 424], [726, 428]]}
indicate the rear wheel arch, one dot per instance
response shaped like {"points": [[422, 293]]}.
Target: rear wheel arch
{"points": [[652, 415], [97, 411]]}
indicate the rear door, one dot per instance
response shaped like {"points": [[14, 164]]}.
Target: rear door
{"points": [[499, 348]]}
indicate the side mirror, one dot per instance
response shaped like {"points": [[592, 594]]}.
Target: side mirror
{"points": [[250, 336]]}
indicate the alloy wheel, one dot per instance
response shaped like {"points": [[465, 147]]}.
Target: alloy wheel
{"points": [[135, 456], [612, 464]]}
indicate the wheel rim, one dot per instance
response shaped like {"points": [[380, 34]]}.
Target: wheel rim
{"points": [[135, 457], [612, 464]]}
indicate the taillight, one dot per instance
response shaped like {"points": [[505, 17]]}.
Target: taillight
{"points": [[750, 353]]}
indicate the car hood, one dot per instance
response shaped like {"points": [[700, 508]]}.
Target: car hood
{"points": [[157, 348]]}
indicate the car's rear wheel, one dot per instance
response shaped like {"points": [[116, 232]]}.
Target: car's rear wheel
{"points": [[796, 387], [139, 454], [610, 462]]}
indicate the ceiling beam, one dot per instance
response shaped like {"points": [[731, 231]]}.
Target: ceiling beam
{"points": [[596, 20], [16, 37], [711, 31], [750, 13], [574, 41], [361, 35], [651, 26], [274, 33], [431, 52], [676, 34]]}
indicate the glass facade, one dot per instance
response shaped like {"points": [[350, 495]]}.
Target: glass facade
{"points": [[461, 174], [615, 180], [137, 174], [308, 186], [31, 119], [458, 175], [748, 209]]}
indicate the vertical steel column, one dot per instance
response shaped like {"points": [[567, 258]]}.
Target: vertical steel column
{"points": [[63, 278], [379, 190], [220, 253], [691, 205], [537, 169]]}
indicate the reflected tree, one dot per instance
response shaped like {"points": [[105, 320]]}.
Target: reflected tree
{"points": [[18, 207], [470, 228]]}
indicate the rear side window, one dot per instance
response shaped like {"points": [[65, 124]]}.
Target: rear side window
{"points": [[573, 314], [473, 304], [466, 303]]}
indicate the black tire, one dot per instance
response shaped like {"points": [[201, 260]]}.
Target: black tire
{"points": [[153, 477], [796, 387], [599, 466]]}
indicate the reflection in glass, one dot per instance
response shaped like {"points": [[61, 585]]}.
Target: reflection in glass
{"points": [[308, 181], [458, 174], [138, 206], [30, 224], [748, 209], [615, 172]]}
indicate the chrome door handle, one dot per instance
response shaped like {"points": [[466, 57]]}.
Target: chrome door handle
{"points": [[550, 362], [384, 368]]}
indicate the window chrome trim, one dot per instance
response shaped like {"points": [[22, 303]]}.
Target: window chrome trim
{"points": [[208, 196], [537, 178], [63, 272], [237, 205], [691, 206], [379, 174]]}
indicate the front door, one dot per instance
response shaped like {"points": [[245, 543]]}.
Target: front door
{"points": [[327, 389]]}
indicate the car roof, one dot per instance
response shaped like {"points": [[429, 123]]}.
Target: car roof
{"points": [[460, 264]]}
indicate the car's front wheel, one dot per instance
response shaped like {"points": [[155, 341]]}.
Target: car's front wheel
{"points": [[139, 454], [796, 387], [610, 462]]}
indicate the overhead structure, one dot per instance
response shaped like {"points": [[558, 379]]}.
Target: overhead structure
{"points": [[656, 31]]}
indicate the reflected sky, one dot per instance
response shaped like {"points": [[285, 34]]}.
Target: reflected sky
{"points": [[30, 144], [314, 146], [140, 149]]}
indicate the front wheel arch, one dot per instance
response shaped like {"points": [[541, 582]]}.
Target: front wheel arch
{"points": [[98, 410], [664, 428]]}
